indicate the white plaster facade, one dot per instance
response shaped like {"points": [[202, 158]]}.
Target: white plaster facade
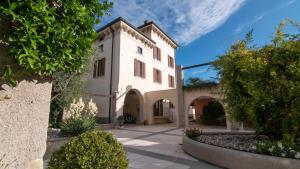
{"points": [[120, 42]]}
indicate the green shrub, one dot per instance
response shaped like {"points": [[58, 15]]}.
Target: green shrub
{"points": [[193, 132], [213, 114], [262, 84], [90, 150], [76, 126]]}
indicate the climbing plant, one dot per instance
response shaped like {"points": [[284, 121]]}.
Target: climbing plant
{"points": [[262, 83], [47, 36]]}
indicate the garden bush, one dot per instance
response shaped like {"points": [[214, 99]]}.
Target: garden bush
{"points": [[121, 120], [193, 132], [90, 150], [262, 84], [79, 118]]}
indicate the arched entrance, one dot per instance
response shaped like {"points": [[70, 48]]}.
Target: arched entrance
{"points": [[133, 107], [163, 111], [206, 111]]}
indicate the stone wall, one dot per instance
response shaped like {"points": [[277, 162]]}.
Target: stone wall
{"points": [[24, 112]]}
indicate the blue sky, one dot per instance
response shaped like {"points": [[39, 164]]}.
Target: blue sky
{"points": [[206, 28]]}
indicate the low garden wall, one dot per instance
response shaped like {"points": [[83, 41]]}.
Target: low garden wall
{"points": [[235, 159], [54, 144]]}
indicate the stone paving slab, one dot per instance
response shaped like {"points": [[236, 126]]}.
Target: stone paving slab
{"points": [[157, 147]]}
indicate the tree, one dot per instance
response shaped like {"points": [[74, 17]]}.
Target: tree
{"points": [[195, 83], [262, 84], [48, 36]]}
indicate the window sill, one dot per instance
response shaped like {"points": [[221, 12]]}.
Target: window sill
{"points": [[139, 77], [99, 77]]}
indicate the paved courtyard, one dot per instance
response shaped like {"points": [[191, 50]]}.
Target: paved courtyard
{"points": [[157, 147]]}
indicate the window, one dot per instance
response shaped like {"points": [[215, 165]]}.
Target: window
{"points": [[139, 68], [156, 75], [99, 68], [170, 62], [171, 81], [139, 50], [101, 48], [157, 53], [158, 108]]}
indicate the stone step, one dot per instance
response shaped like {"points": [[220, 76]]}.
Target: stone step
{"points": [[161, 120]]}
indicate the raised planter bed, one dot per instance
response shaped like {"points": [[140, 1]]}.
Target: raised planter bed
{"points": [[235, 159]]}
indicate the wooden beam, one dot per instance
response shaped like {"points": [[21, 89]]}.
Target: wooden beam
{"points": [[197, 65]]}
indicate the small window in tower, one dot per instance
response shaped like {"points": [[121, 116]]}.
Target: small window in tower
{"points": [[139, 50]]}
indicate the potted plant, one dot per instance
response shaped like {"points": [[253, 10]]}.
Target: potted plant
{"points": [[146, 122], [121, 121]]}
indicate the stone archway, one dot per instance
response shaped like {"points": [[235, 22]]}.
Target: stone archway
{"points": [[191, 95], [133, 107], [163, 111], [206, 110]]}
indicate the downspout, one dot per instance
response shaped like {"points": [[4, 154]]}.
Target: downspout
{"points": [[111, 74]]}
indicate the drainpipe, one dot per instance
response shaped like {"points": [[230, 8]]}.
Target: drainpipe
{"points": [[111, 74]]}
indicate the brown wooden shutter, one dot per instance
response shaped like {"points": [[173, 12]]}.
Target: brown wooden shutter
{"points": [[172, 81], [169, 61], [95, 70], [169, 80], [159, 77], [99, 68], [135, 67], [144, 70], [158, 54], [154, 52], [154, 75], [172, 62], [103, 67]]}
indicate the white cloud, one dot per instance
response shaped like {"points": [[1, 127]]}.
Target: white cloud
{"points": [[184, 20], [199, 71], [290, 2], [250, 23]]}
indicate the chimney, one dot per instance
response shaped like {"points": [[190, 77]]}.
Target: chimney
{"points": [[145, 22]]}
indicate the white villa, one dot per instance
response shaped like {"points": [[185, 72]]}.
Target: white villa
{"points": [[135, 75], [134, 64]]}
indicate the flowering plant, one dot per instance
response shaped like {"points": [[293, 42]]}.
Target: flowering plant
{"points": [[277, 149], [80, 117], [78, 109]]}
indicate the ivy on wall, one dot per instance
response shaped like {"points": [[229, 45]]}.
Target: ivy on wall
{"points": [[48, 36]]}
